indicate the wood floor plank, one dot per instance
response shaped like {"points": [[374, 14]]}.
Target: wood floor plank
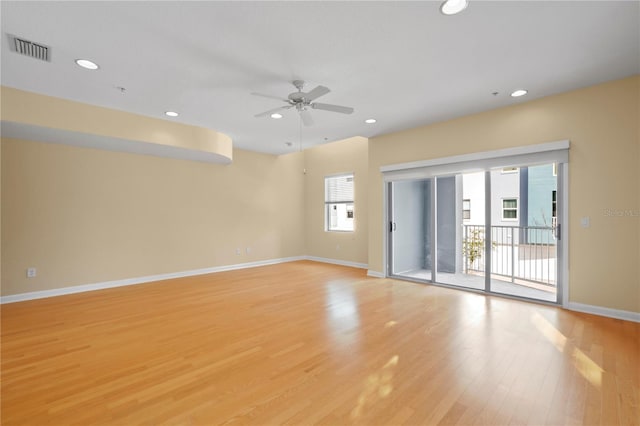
{"points": [[311, 343]]}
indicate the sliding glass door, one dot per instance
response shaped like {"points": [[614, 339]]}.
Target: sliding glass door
{"points": [[410, 225], [494, 231], [460, 230], [524, 231]]}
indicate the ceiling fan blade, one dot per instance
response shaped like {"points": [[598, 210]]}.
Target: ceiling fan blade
{"points": [[269, 96], [333, 108], [316, 93], [271, 111], [307, 120]]}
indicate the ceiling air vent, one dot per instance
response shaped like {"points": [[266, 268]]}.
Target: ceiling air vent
{"points": [[29, 48]]}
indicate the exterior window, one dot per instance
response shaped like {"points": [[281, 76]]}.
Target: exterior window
{"points": [[466, 209], [338, 203], [510, 209]]}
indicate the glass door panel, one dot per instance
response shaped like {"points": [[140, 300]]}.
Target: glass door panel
{"points": [[523, 231], [409, 229], [460, 229]]}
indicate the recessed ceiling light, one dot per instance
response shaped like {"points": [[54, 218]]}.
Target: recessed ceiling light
{"points": [[451, 7], [171, 114], [276, 115], [370, 120], [518, 93], [85, 63]]}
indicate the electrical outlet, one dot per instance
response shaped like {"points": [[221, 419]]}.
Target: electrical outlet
{"points": [[248, 250], [338, 247], [238, 251], [31, 272]]}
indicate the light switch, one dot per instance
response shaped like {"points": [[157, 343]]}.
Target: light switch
{"points": [[585, 222]]}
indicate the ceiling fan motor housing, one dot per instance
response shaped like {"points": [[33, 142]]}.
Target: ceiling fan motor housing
{"points": [[297, 97], [302, 101]]}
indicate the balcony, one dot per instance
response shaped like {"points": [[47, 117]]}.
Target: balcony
{"points": [[522, 256], [523, 262]]}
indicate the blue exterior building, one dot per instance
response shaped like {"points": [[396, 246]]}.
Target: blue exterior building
{"points": [[538, 209]]}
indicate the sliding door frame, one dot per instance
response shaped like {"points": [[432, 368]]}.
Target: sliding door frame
{"points": [[553, 152], [487, 231]]}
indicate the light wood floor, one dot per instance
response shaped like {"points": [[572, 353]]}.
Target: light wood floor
{"points": [[306, 343]]}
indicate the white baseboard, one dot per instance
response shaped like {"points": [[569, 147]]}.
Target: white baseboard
{"points": [[605, 312], [579, 307], [337, 262], [140, 280]]}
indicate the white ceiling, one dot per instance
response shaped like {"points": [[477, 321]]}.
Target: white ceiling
{"points": [[403, 63]]}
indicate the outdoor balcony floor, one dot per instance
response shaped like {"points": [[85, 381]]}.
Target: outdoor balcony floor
{"points": [[519, 289]]}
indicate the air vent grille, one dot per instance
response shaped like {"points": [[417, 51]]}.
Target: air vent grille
{"points": [[30, 48]]}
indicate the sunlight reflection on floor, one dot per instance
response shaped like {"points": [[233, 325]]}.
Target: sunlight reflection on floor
{"points": [[587, 367], [343, 317], [581, 361], [549, 331], [377, 386]]}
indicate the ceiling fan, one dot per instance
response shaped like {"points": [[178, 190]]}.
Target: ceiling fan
{"points": [[303, 102]]}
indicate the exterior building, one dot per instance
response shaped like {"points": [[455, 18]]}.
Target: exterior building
{"points": [[540, 207], [522, 197]]}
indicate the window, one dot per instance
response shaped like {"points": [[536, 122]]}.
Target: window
{"points": [[338, 203], [510, 209], [466, 209]]}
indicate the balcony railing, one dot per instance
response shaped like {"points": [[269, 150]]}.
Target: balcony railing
{"points": [[518, 253]]}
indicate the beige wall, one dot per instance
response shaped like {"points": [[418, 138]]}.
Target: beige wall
{"points": [[1, 202], [45, 111], [602, 124], [345, 156], [83, 216]]}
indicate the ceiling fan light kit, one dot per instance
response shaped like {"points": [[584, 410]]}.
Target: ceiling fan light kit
{"points": [[303, 102]]}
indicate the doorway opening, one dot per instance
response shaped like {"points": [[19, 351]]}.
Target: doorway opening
{"points": [[496, 230]]}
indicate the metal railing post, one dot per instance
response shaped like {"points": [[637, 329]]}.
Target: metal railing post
{"points": [[513, 270], [535, 256], [466, 241]]}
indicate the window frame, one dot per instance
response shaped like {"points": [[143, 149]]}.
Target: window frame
{"points": [[516, 209], [467, 210], [349, 205]]}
